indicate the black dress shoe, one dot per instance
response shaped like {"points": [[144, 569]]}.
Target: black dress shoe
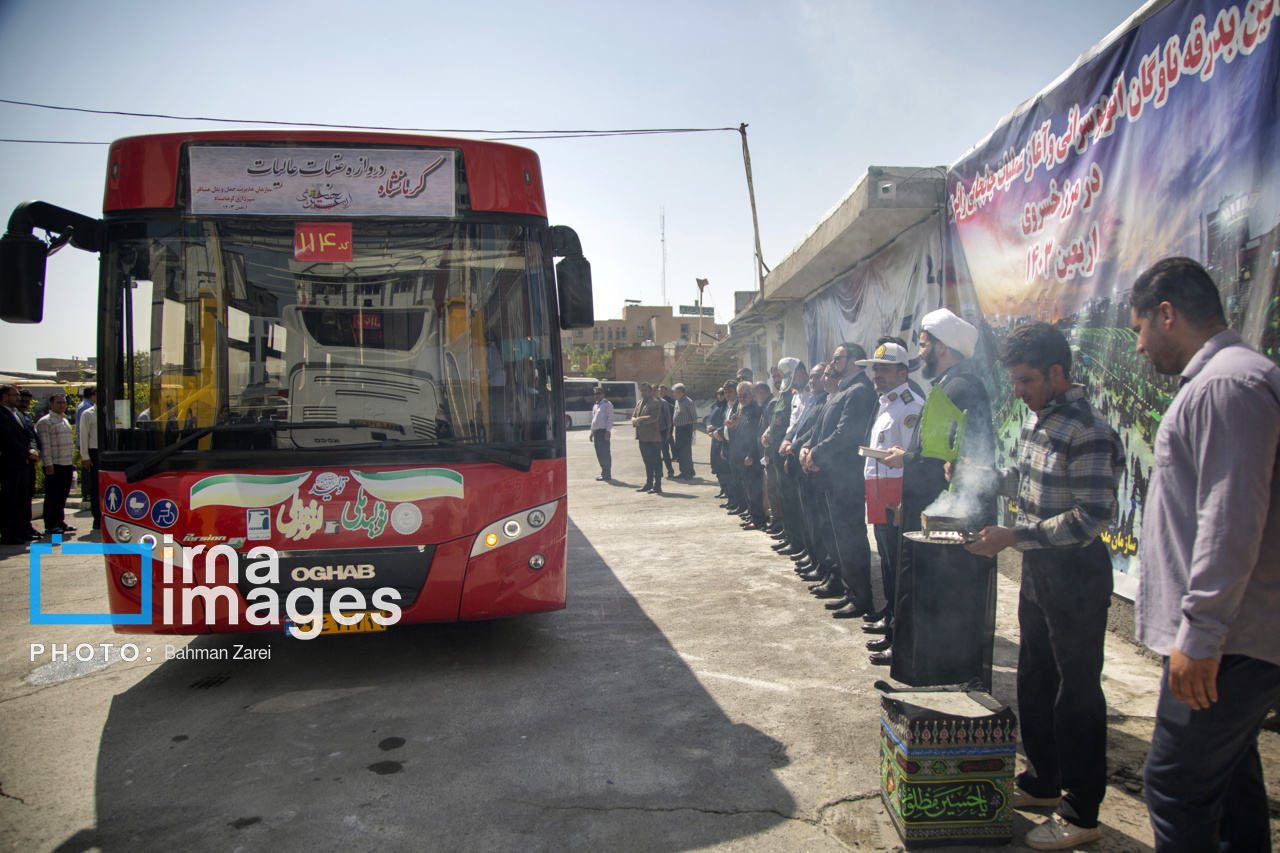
{"points": [[645, 488], [850, 612], [884, 626], [827, 589], [657, 490], [884, 658], [779, 546], [881, 645], [877, 616], [793, 549], [837, 603], [12, 541], [601, 478], [814, 577]]}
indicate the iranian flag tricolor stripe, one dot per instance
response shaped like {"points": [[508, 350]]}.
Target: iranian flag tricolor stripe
{"points": [[413, 484], [246, 490]]}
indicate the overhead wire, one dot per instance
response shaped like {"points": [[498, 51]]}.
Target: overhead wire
{"points": [[500, 134]]}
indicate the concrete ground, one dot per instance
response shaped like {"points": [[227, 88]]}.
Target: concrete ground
{"points": [[693, 696]]}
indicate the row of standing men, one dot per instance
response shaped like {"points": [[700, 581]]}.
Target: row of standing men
{"points": [[48, 442]]}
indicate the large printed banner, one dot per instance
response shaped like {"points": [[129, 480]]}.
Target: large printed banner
{"points": [[1167, 142], [887, 294]]}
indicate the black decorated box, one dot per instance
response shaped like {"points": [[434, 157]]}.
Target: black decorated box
{"points": [[946, 765]]}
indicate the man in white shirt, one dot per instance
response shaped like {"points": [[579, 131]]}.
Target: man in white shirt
{"points": [[602, 432], [89, 458]]}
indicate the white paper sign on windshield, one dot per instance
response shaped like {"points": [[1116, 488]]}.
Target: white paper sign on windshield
{"points": [[322, 181]]}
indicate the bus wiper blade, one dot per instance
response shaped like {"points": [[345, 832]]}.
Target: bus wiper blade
{"points": [[147, 467], [502, 457]]}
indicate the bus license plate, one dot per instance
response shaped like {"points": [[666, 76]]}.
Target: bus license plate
{"points": [[366, 623]]}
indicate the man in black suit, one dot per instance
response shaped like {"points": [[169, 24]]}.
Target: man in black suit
{"points": [[809, 560], [17, 452], [846, 418]]}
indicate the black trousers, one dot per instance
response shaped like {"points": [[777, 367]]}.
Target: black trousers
{"points": [[1204, 782], [887, 547], [57, 486], [753, 486], [718, 465], [667, 446], [1062, 615], [684, 449], [652, 456], [847, 516], [603, 452], [15, 523], [789, 493], [815, 521]]}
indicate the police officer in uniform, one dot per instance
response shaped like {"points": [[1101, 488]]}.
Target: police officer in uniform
{"points": [[895, 426]]}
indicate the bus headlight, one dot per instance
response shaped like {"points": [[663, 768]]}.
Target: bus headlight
{"points": [[148, 539], [123, 533], [512, 528]]}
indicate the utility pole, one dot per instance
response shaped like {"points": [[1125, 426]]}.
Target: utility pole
{"points": [[662, 227], [755, 221]]}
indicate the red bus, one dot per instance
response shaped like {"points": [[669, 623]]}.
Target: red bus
{"points": [[340, 346]]}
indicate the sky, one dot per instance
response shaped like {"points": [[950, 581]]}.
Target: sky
{"points": [[827, 89]]}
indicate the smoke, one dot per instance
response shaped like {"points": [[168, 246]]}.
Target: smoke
{"points": [[972, 487]]}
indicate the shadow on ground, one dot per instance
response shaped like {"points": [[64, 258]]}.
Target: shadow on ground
{"points": [[575, 730]]}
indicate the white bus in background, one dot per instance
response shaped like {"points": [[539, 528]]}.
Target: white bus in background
{"points": [[579, 399]]}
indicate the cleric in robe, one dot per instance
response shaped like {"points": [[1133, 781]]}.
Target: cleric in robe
{"points": [[944, 615]]}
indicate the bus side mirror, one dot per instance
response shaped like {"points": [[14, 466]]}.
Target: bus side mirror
{"points": [[22, 258], [573, 281], [23, 255]]}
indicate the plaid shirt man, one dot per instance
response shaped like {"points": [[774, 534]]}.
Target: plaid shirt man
{"points": [[55, 439], [1069, 466], [686, 412]]}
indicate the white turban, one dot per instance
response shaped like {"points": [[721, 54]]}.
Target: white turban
{"points": [[951, 330], [788, 367]]}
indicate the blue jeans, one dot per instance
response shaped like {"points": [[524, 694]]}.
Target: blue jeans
{"points": [[1205, 789]]}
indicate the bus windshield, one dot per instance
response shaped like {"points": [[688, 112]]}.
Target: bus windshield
{"points": [[404, 332]]}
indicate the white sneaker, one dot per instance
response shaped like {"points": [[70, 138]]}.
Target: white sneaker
{"points": [[1023, 800], [1058, 834]]}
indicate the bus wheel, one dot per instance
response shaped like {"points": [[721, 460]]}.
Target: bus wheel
{"points": [[568, 423]]}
